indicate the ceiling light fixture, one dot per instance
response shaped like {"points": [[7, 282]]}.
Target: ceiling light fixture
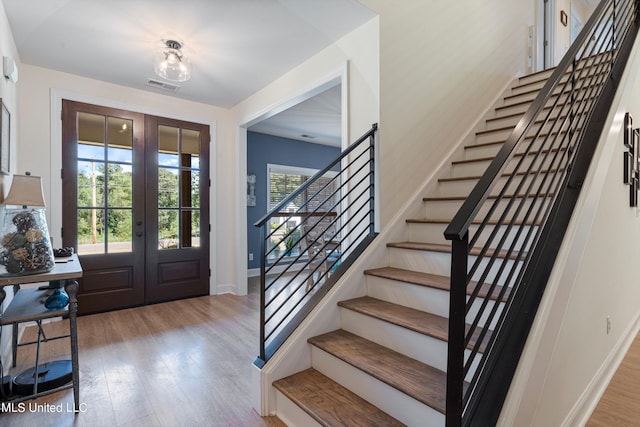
{"points": [[170, 63]]}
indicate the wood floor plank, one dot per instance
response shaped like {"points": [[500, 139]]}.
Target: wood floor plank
{"points": [[329, 403], [620, 403], [180, 363]]}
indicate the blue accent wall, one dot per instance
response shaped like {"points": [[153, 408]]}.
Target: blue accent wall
{"points": [[266, 149]]}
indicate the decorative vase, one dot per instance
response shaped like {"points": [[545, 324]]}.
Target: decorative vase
{"points": [[25, 244]]}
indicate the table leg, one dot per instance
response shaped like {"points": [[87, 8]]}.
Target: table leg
{"points": [[71, 288], [3, 295], [14, 338]]}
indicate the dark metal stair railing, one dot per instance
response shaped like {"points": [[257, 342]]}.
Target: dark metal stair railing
{"points": [[324, 225], [508, 243]]}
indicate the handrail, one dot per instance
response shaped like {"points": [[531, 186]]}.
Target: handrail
{"points": [[323, 235], [507, 243]]}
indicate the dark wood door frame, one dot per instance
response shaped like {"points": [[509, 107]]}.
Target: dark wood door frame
{"points": [[145, 275]]}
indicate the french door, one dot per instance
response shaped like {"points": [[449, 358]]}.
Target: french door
{"points": [[136, 205]]}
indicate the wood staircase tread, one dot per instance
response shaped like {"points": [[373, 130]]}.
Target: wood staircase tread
{"points": [[434, 281], [418, 380], [439, 247], [418, 321], [329, 403]]}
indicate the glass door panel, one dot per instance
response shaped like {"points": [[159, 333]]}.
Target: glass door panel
{"points": [[180, 248], [178, 187], [103, 214], [104, 193]]}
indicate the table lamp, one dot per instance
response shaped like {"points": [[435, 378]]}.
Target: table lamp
{"points": [[25, 244]]}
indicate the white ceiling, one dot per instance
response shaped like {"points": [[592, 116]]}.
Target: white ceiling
{"points": [[317, 120], [236, 47]]}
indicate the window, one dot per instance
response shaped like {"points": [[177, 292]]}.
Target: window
{"points": [[319, 197]]}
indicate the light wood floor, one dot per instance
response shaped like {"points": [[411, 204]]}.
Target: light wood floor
{"points": [[620, 404], [188, 363], [182, 363]]}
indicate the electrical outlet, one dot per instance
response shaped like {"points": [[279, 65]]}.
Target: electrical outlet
{"points": [[250, 256], [608, 324]]}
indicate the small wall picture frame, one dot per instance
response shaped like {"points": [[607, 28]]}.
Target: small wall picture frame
{"points": [[564, 19], [628, 131], [5, 139], [251, 189]]}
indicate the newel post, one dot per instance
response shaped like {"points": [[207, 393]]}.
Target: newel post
{"points": [[457, 311]]}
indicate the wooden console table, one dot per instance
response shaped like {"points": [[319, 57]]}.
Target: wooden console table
{"points": [[27, 305]]}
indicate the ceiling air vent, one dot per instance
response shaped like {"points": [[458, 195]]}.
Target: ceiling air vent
{"points": [[157, 84]]}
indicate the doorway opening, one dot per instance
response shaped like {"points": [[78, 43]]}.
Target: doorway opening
{"points": [[306, 136]]}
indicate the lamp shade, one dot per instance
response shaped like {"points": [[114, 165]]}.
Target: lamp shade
{"points": [[26, 190]]}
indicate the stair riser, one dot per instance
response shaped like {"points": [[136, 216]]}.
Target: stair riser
{"points": [[520, 104], [434, 233], [530, 96], [425, 349], [512, 109], [503, 120], [423, 298], [544, 75], [538, 80], [464, 187], [473, 152], [477, 168], [291, 414], [521, 97], [526, 87], [440, 263], [446, 209], [390, 400], [501, 134]]}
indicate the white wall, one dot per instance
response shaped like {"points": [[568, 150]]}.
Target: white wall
{"points": [[9, 95], [562, 34], [39, 151], [441, 64], [355, 59], [569, 357]]}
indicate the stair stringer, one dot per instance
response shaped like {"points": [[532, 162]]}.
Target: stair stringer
{"points": [[295, 354]]}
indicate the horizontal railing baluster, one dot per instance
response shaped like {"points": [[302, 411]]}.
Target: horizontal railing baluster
{"points": [[288, 285]]}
